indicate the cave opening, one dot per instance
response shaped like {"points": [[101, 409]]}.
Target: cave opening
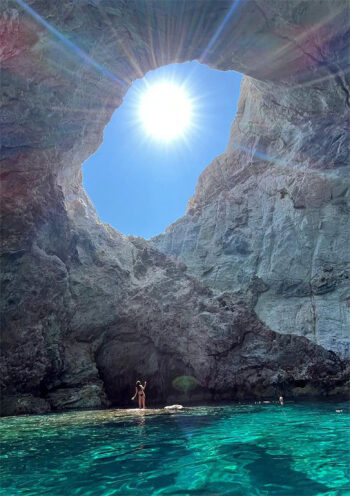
{"points": [[76, 289], [140, 185]]}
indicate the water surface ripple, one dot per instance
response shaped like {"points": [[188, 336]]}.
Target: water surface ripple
{"points": [[236, 450]]}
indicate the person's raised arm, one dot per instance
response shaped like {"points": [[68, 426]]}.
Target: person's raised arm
{"points": [[145, 384]]}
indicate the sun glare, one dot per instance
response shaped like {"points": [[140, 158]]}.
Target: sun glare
{"points": [[165, 111]]}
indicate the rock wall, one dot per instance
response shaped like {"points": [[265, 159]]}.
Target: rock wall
{"points": [[270, 217], [86, 310]]}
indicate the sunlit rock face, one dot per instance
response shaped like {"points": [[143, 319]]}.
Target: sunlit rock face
{"points": [[274, 223], [86, 310]]}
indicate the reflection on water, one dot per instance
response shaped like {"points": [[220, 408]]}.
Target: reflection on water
{"points": [[240, 450]]}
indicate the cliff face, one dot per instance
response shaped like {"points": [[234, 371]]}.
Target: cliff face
{"points": [[270, 217], [86, 310]]}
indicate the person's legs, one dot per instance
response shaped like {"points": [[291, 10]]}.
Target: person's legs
{"points": [[140, 402], [143, 401]]}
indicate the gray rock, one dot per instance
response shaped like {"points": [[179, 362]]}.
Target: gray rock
{"points": [[280, 212], [84, 396], [23, 404], [86, 310]]}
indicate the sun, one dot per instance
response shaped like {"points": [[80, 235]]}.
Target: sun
{"points": [[165, 111]]}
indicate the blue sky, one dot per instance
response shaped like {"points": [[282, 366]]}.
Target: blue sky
{"points": [[140, 185]]}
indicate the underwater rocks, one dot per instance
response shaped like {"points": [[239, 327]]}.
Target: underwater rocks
{"points": [[85, 310]]}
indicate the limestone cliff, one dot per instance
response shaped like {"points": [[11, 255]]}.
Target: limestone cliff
{"points": [[270, 217], [85, 310]]}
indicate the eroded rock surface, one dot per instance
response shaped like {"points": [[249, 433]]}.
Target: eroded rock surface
{"points": [[86, 310], [271, 216]]}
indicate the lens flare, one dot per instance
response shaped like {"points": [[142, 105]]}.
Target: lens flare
{"points": [[165, 111]]}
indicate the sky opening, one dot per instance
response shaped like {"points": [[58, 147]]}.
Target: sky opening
{"points": [[170, 126]]}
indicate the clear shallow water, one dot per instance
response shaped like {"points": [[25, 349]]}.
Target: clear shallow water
{"points": [[236, 450]]}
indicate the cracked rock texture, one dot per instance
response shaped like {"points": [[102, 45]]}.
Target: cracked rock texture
{"points": [[270, 217], [86, 310]]}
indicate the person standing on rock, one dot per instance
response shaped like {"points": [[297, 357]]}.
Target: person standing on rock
{"points": [[140, 391]]}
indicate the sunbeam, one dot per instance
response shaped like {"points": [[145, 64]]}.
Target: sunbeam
{"points": [[219, 29], [78, 51]]}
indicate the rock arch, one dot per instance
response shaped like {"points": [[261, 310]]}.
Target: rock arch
{"points": [[72, 286]]}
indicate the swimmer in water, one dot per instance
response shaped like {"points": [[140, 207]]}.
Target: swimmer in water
{"points": [[280, 399], [140, 391]]}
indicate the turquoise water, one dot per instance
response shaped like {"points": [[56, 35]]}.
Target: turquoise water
{"points": [[297, 449]]}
